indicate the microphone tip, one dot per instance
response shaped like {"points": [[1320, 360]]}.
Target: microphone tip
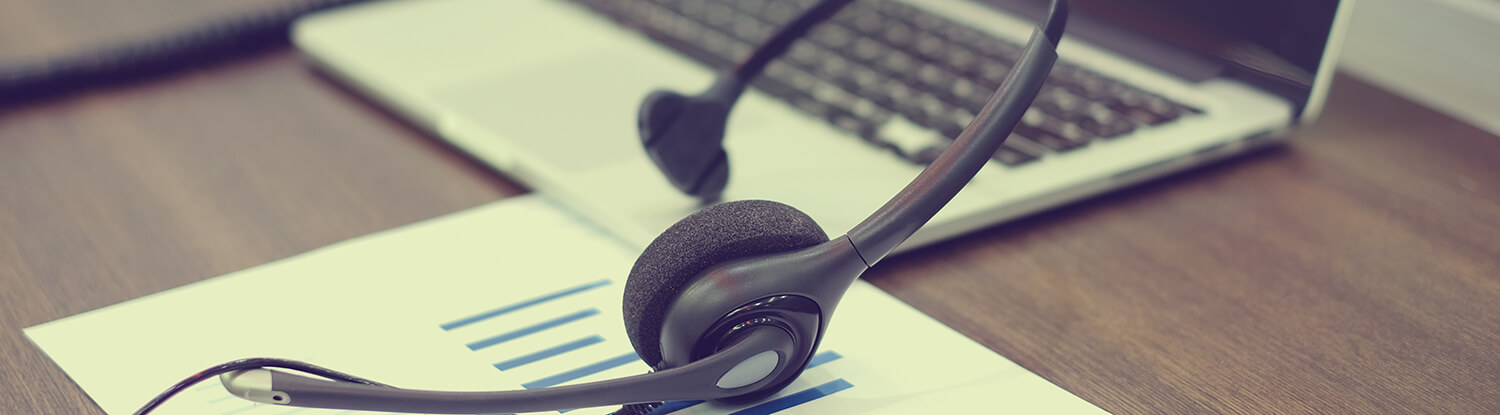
{"points": [[254, 385]]}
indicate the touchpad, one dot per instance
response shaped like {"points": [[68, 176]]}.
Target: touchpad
{"points": [[577, 112]]}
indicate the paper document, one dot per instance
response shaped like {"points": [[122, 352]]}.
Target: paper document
{"points": [[513, 295]]}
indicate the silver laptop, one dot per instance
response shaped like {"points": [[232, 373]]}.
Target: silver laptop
{"points": [[547, 91]]}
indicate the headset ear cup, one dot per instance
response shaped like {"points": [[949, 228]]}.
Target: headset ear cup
{"points": [[684, 137], [714, 235], [658, 111]]}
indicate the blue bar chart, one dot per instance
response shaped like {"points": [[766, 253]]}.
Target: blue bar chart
{"points": [[566, 345], [556, 338]]}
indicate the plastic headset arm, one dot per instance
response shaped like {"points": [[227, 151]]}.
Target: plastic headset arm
{"points": [[899, 218], [777, 44], [697, 380]]}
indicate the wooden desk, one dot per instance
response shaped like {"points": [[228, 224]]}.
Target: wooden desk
{"points": [[1356, 271]]}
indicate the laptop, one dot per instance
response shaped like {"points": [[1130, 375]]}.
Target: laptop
{"points": [[547, 91]]}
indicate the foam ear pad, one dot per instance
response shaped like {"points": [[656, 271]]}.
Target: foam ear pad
{"points": [[716, 234]]}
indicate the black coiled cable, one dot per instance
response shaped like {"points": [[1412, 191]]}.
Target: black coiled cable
{"points": [[637, 408]]}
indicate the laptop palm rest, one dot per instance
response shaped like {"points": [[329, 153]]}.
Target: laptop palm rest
{"points": [[569, 127]]}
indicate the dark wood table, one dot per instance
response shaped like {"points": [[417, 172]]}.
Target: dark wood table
{"points": [[1354, 271]]}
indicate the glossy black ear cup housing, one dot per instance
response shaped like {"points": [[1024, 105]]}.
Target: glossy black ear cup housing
{"points": [[714, 235], [684, 137]]}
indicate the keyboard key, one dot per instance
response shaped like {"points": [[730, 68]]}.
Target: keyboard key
{"points": [[968, 95], [779, 12], [992, 73], [908, 137], [1115, 128], [928, 155], [1011, 156], [1069, 131], [751, 30], [868, 50], [833, 95], [962, 61], [896, 64], [1051, 132], [930, 47], [870, 24], [898, 35], [833, 36], [1053, 142]]}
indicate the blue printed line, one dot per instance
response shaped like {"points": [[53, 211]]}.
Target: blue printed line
{"points": [[528, 303], [221, 399], [674, 406], [571, 346], [522, 332], [582, 371], [294, 411], [805, 396]]}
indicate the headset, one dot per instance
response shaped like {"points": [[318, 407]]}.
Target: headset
{"points": [[730, 302]]}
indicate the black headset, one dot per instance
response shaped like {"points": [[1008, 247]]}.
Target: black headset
{"points": [[730, 302]]}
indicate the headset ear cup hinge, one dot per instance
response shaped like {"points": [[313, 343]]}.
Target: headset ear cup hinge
{"points": [[798, 316]]}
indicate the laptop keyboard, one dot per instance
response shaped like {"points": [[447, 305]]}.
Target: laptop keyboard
{"points": [[897, 76]]}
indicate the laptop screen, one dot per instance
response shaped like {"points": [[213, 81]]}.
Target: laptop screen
{"points": [[1274, 44]]}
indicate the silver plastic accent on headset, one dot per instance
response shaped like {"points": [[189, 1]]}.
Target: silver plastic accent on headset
{"points": [[750, 371], [254, 385]]}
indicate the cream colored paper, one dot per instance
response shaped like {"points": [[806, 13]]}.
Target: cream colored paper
{"points": [[375, 307]]}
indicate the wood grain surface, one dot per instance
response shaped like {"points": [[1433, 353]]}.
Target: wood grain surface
{"points": [[1354, 271]]}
